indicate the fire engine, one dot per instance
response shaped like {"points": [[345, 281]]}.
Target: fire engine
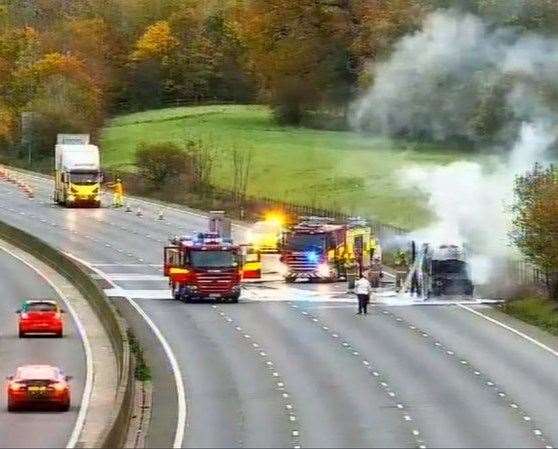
{"points": [[204, 267], [318, 248]]}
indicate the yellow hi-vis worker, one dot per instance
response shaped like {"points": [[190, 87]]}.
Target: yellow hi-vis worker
{"points": [[118, 193]]}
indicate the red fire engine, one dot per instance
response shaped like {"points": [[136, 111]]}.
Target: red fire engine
{"points": [[318, 248], [204, 267]]}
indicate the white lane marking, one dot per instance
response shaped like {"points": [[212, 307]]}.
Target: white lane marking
{"points": [[80, 420], [136, 277], [511, 329], [180, 390]]}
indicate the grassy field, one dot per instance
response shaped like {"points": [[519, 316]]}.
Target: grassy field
{"points": [[342, 170]]}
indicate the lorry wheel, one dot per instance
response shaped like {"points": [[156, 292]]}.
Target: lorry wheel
{"points": [[234, 299]]}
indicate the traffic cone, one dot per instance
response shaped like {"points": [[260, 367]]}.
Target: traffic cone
{"points": [[128, 208], [139, 212], [160, 215]]}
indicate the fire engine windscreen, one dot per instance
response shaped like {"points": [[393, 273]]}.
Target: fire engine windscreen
{"points": [[213, 259], [84, 178], [305, 242]]}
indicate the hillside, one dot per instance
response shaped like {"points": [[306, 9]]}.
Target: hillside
{"points": [[342, 170]]}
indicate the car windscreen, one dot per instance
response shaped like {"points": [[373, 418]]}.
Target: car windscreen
{"points": [[84, 178], [305, 242], [213, 259], [40, 307]]}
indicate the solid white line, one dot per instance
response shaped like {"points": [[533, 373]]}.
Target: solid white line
{"points": [[511, 329], [180, 390], [80, 420]]}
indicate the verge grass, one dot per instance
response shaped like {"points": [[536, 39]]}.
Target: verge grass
{"points": [[538, 311], [341, 170]]}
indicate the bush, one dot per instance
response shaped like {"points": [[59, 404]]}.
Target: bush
{"points": [[160, 162]]}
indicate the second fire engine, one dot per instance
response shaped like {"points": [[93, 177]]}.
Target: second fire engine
{"points": [[319, 248]]}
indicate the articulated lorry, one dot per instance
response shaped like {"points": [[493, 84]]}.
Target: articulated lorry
{"points": [[77, 171]]}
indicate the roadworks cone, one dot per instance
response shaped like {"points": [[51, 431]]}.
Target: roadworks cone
{"points": [[139, 212], [128, 208], [160, 215]]}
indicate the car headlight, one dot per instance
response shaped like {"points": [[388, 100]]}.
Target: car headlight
{"points": [[323, 270]]}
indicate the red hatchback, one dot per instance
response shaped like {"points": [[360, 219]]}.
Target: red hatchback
{"points": [[40, 317], [38, 387]]}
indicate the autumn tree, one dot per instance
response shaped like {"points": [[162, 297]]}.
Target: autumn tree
{"points": [[535, 222], [62, 95]]}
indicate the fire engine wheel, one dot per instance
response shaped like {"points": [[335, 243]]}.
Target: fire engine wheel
{"points": [[12, 407]]}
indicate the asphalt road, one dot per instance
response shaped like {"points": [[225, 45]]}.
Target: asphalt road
{"points": [[294, 367], [35, 429]]}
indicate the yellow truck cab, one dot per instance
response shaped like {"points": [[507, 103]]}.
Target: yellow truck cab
{"points": [[77, 171]]}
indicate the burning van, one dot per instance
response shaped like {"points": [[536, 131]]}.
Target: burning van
{"points": [[444, 271]]}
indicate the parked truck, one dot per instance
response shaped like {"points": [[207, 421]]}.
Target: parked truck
{"points": [[77, 171]]}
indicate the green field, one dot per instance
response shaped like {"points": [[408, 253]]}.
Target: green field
{"points": [[346, 171]]}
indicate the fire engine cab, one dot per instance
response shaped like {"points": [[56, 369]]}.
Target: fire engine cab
{"points": [[318, 248], [203, 267]]}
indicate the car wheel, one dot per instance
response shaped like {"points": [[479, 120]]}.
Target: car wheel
{"points": [[22, 334], [59, 334], [64, 407], [12, 407], [289, 279]]}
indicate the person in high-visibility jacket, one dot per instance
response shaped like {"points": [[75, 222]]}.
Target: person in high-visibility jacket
{"points": [[118, 193]]}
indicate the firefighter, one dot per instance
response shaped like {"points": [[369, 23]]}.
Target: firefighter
{"points": [[401, 268], [362, 290], [351, 270], [375, 272], [118, 193]]}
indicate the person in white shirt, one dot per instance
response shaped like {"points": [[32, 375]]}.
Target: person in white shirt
{"points": [[362, 290]]}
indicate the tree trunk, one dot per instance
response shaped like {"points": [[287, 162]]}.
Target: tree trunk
{"points": [[553, 285]]}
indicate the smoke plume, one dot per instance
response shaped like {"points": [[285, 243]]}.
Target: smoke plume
{"points": [[436, 84]]}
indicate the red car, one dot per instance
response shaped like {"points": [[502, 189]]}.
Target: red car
{"points": [[40, 317], [38, 387]]}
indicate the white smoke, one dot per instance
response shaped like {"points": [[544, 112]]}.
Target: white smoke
{"points": [[472, 203], [460, 77], [430, 86]]}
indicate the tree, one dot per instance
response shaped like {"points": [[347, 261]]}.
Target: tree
{"points": [[200, 164], [535, 224], [242, 166], [291, 49]]}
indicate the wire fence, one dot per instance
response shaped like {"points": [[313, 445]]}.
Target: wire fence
{"points": [[526, 273]]}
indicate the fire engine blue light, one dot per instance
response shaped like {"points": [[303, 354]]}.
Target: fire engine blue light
{"points": [[312, 257]]}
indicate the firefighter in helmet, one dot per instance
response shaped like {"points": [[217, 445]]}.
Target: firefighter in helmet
{"points": [[351, 270], [118, 193], [401, 268]]}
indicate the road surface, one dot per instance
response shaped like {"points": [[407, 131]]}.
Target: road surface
{"points": [[293, 366], [35, 429]]}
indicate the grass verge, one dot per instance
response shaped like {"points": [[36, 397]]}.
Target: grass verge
{"points": [[538, 311], [142, 372]]}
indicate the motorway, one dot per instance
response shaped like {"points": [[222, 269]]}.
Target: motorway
{"points": [[35, 429], [291, 366]]}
